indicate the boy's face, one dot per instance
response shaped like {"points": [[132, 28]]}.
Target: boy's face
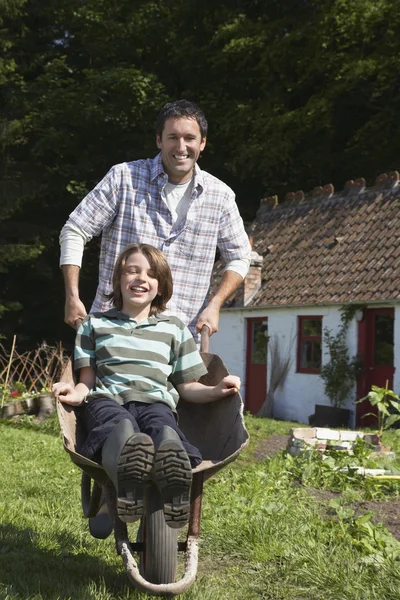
{"points": [[139, 286], [180, 144]]}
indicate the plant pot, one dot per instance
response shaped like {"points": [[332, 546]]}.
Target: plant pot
{"points": [[330, 416]]}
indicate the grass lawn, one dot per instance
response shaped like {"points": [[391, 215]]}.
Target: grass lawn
{"points": [[264, 535]]}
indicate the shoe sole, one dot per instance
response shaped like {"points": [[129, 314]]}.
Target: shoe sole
{"points": [[173, 476], [133, 475]]}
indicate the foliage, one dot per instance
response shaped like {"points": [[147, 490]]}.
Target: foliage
{"points": [[335, 470], [341, 370], [297, 94], [387, 404], [372, 540]]}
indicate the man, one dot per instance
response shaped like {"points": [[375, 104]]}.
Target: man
{"points": [[169, 202]]}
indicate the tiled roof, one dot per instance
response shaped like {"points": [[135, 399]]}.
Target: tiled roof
{"points": [[330, 248]]}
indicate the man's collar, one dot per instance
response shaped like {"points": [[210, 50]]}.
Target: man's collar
{"points": [[157, 168]]}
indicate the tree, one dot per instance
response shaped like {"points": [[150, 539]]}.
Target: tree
{"points": [[297, 94], [71, 117]]}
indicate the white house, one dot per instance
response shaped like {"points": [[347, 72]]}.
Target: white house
{"points": [[311, 257]]}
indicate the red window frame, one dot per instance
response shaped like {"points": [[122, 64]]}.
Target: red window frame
{"points": [[307, 338]]}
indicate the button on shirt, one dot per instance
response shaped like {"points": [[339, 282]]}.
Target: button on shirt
{"points": [[128, 206]]}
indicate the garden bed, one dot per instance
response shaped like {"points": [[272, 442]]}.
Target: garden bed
{"points": [[386, 512]]}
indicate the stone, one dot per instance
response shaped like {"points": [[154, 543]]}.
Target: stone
{"points": [[372, 438], [327, 434], [350, 436], [341, 446], [303, 433], [46, 406], [294, 451]]}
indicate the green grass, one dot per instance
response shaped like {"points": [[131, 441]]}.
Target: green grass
{"points": [[262, 535]]}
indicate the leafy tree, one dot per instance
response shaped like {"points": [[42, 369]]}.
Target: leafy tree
{"points": [[72, 118], [297, 93]]}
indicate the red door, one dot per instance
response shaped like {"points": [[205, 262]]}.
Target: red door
{"points": [[376, 345], [256, 363]]}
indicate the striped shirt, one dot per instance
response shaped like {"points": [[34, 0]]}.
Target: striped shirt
{"points": [[137, 361], [129, 206]]}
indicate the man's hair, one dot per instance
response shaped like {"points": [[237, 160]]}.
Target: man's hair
{"points": [[181, 109], [158, 264]]}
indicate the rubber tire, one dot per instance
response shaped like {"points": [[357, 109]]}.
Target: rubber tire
{"points": [[90, 495], [158, 562]]}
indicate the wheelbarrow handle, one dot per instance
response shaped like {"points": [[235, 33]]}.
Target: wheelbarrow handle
{"points": [[205, 339]]}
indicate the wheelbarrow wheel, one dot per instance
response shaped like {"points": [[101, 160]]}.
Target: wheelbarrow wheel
{"points": [[158, 561]]}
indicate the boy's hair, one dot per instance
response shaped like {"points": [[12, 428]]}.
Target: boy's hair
{"points": [[162, 273], [178, 109]]}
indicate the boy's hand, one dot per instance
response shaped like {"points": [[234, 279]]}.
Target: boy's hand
{"points": [[228, 386], [65, 392]]}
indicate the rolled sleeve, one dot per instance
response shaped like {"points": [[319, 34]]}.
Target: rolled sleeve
{"points": [[233, 241], [99, 208]]}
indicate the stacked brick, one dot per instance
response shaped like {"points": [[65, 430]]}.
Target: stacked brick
{"points": [[321, 438]]}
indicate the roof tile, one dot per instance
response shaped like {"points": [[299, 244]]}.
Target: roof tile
{"points": [[344, 248]]}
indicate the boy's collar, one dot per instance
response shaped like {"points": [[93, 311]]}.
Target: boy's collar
{"points": [[114, 313]]}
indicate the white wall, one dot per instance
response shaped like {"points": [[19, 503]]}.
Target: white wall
{"points": [[396, 376], [301, 391], [230, 343]]}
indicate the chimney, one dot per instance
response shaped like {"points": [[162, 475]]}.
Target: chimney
{"points": [[252, 281]]}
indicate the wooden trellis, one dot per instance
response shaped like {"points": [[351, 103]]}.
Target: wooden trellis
{"points": [[36, 369]]}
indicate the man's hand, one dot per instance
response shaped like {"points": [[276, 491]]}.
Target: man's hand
{"points": [[209, 317], [75, 312]]}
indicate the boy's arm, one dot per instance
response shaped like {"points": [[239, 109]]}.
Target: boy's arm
{"points": [[196, 392], [74, 395]]}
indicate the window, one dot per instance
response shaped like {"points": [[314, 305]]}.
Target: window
{"points": [[309, 344], [384, 340], [259, 342]]}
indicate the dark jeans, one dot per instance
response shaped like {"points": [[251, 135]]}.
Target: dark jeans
{"points": [[101, 415]]}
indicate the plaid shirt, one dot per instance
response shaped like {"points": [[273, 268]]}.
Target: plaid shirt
{"points": [[129, 206]]}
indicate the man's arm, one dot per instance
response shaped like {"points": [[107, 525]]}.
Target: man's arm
{"points": [[91, 216], [234, 246], [74, 308], [210, 316], [72, 242]]}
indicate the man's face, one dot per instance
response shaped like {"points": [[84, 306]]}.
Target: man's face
{"points": [[180, 145]]}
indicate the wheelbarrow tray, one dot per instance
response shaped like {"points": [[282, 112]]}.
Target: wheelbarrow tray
{"points": [[217, 428]]}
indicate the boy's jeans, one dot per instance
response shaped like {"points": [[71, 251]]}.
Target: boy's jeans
{"points": [[101, 415]]}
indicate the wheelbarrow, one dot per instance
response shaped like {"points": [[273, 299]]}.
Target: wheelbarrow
{"points": [[217, 429]]}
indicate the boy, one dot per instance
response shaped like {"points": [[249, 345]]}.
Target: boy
{"points": [[129, 358]]}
